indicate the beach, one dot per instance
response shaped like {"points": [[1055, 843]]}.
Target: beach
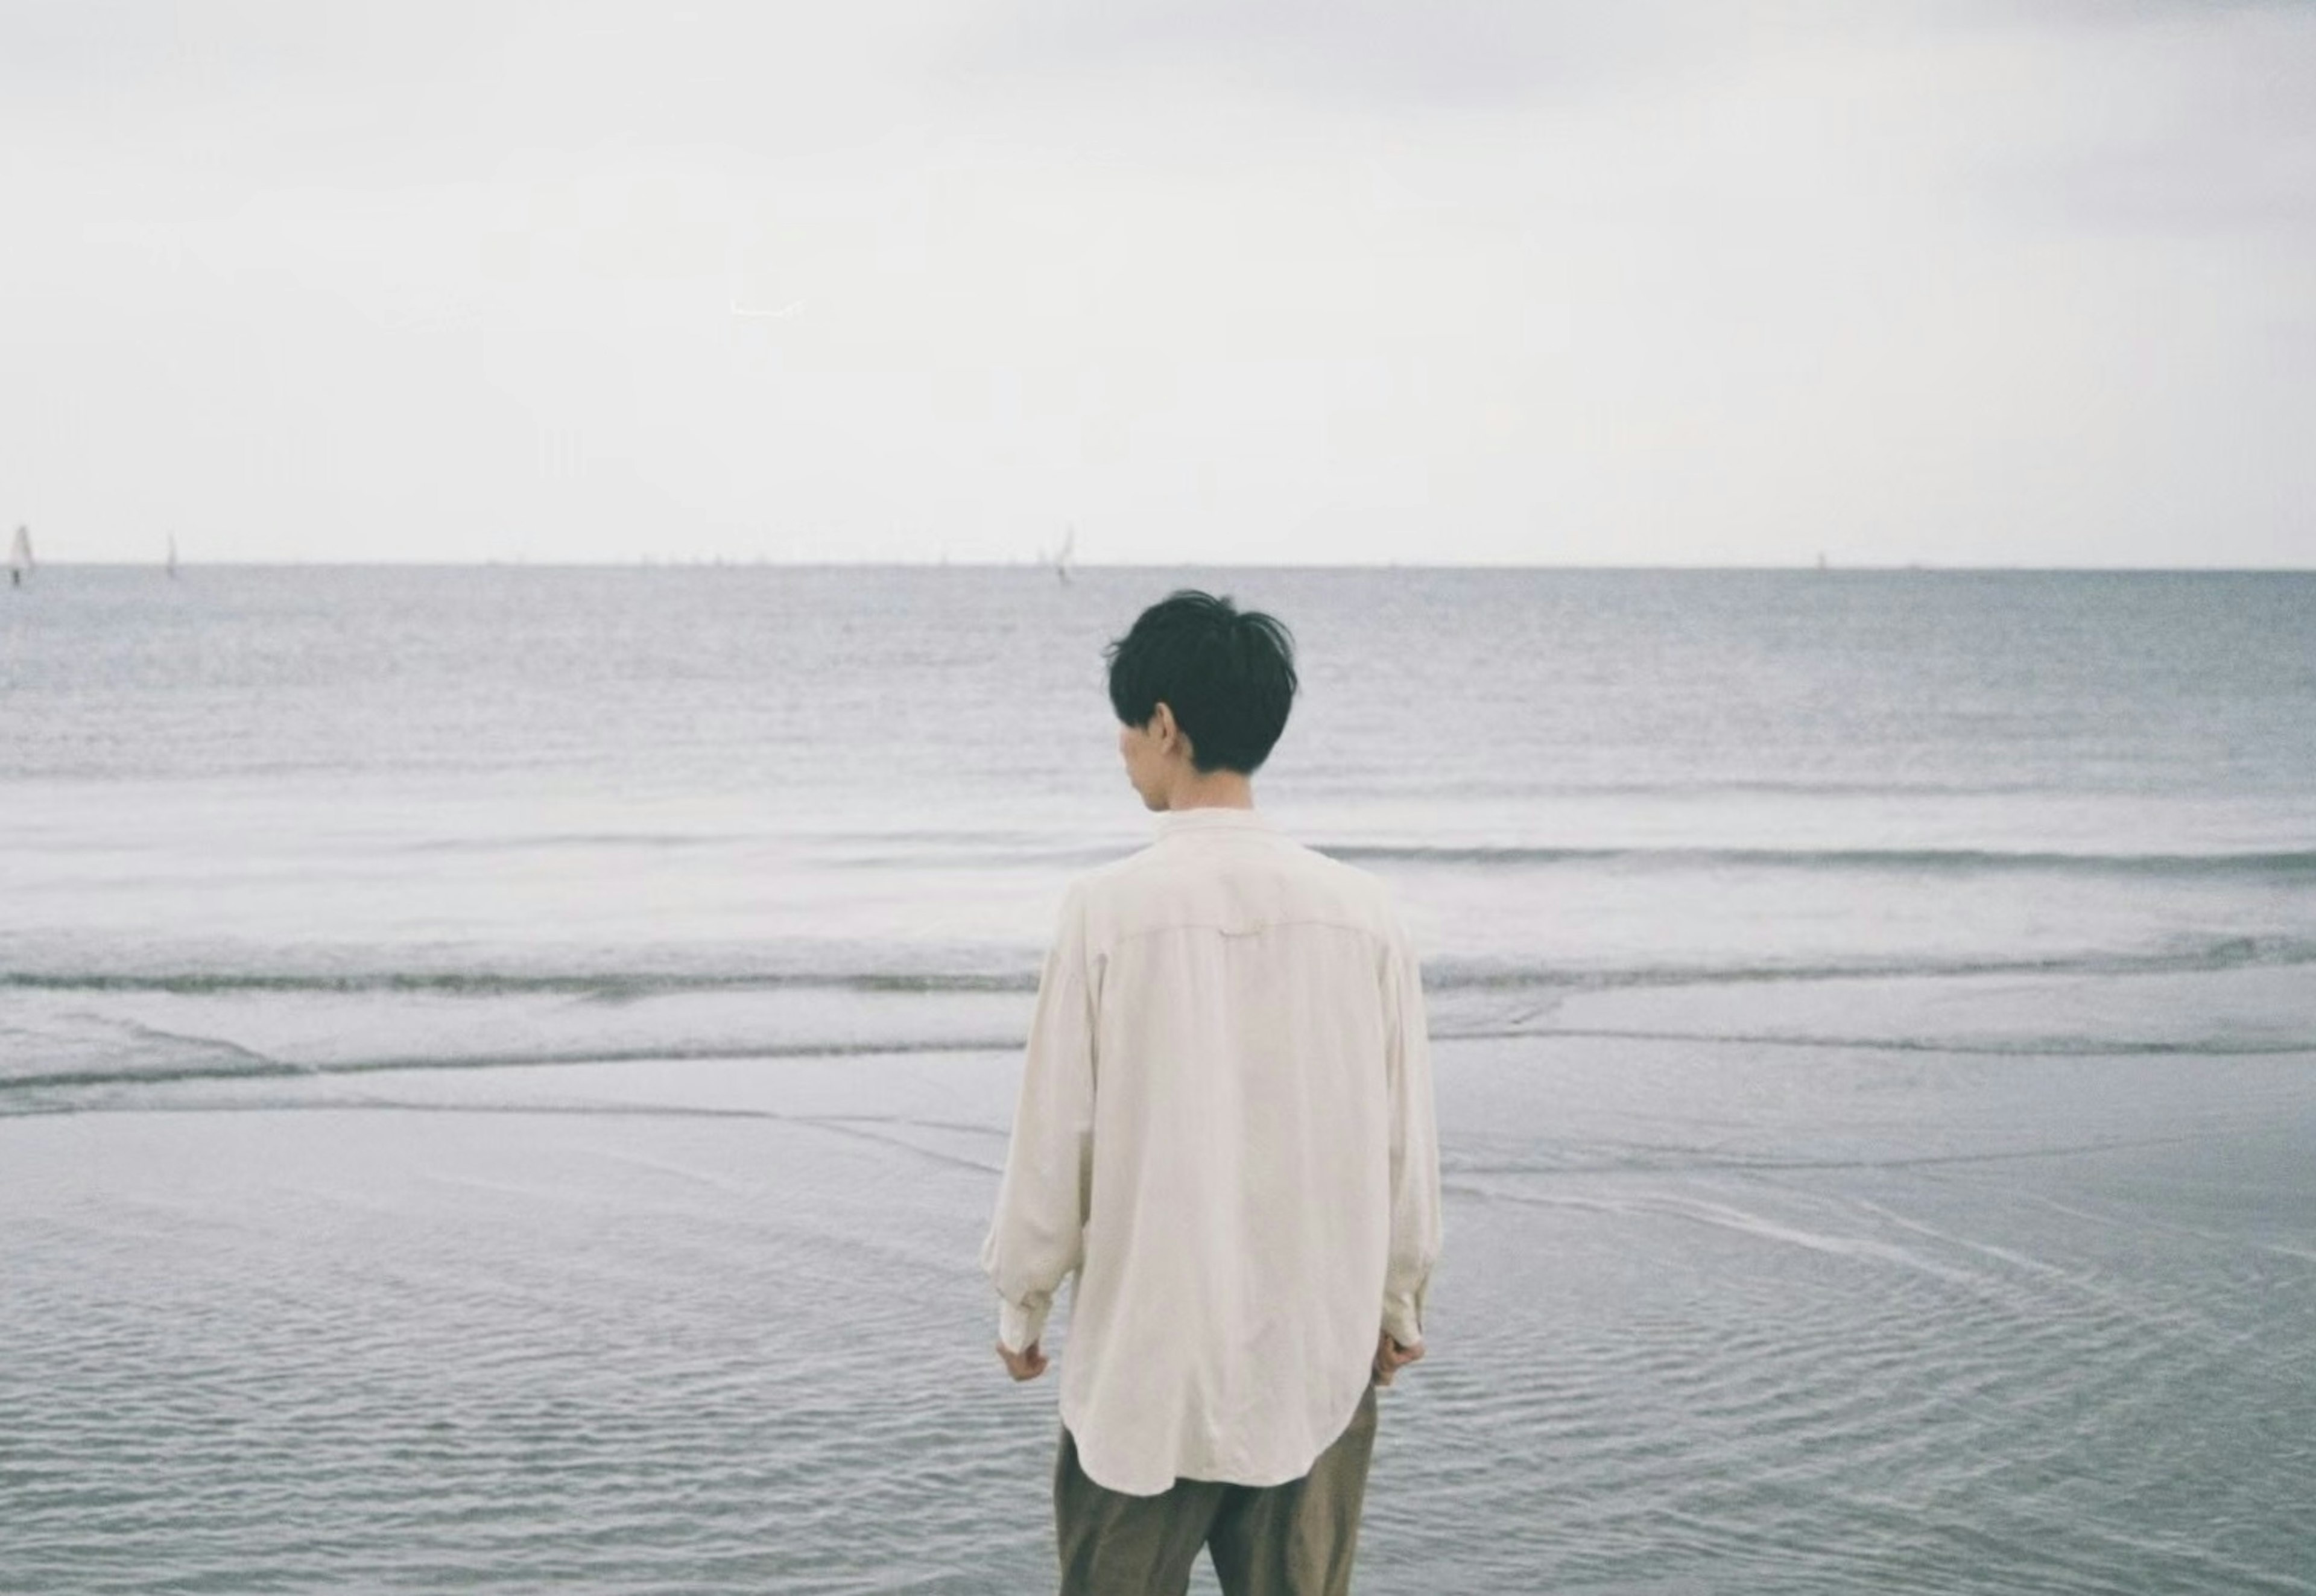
{"points": [[503, 1074]]}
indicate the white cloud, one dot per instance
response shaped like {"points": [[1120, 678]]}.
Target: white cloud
{"points": [[1260, 282]]}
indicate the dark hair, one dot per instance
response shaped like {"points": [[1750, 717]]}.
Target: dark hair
{"points": [[1228, 677]]}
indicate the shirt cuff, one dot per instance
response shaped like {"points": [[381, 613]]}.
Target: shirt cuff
{"points": [[1018, 1327], [1404, 1323]]}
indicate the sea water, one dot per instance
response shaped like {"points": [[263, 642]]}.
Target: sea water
{"points": [[502, 1071]]}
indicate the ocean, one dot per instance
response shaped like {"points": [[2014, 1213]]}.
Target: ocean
{"points": [[503, 1071]]}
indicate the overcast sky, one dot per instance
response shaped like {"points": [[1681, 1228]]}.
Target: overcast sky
{"points": [[1661, 281]]}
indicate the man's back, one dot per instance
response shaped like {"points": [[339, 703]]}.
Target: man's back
{"points": [[1225, 1126]]}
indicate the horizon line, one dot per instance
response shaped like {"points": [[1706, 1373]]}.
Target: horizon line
{"points": [[640, 562]]}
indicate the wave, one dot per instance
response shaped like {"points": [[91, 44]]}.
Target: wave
{"points": [[653, 842], [2288, 865], [245, 1065], [2226, 953], [915, 850], [608, 985], [2221, 954], [1966, 1045], [36, 1094]]}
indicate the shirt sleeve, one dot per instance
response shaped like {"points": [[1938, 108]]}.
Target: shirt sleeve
{"points": [[1414, 1140], [1038, 1235]]}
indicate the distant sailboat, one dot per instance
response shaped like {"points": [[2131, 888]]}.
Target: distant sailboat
{"points": [[170, 565], [20, 558], [1062, 557]]}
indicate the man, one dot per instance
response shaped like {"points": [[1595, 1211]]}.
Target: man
{"points": [[1225, 1130]]}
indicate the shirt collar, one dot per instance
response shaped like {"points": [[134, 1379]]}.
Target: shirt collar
{"points": [[1173, 822]]}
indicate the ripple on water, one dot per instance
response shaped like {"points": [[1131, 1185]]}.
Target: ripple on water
{"points": [[307, 1352]]}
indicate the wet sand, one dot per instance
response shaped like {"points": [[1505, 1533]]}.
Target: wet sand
{"points": [[1721, 1318]]}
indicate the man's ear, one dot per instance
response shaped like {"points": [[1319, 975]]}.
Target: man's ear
{"points": [[1169, 730]]}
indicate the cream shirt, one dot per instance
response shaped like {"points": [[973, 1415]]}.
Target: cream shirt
{"points": [[1225, 1131]]}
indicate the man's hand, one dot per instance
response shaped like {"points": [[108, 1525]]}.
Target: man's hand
{"points": [[1389, 1359], [1026, 1364]]}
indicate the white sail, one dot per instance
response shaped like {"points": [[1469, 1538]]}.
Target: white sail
{"points": [[20, 555], [172, 566]]}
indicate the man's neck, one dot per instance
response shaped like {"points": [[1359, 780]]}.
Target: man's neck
{"points": [[1212, 789]]}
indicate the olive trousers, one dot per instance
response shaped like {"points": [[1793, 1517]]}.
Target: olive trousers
{"points": [[1291, 1539]]}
